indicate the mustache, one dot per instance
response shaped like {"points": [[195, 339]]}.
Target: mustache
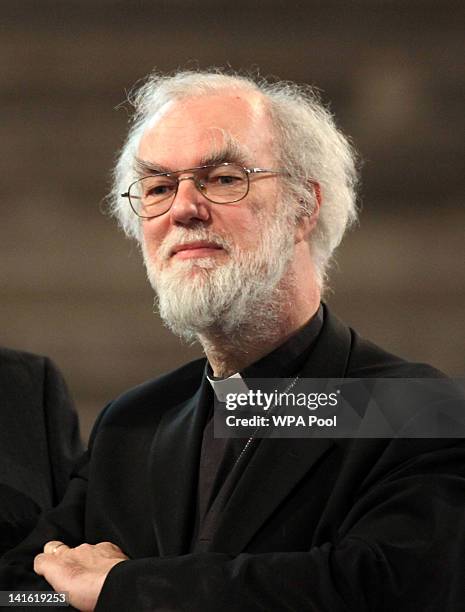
{"points": [[185, 236]]}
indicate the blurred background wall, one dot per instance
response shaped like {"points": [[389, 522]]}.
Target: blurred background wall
{"points": [[73, 287]]}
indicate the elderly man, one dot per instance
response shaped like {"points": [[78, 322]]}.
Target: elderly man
{"points": [[238, 193]]}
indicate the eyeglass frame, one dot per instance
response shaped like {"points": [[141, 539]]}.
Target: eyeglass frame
{"points": [[248, 172]]}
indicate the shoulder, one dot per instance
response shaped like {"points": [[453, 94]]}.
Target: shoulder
{"points": [[362, 358], [22, 374], [21, 360], [25, 375], [175, 385], [156, 395], [369, 360], [26, 367]]}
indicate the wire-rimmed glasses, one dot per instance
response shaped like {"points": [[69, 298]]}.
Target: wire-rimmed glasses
{"points": [[225, 183]]}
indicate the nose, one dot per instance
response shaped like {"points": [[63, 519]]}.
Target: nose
{"points": [[189, 204]]}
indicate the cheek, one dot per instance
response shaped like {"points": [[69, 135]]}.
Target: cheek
{"points": [[248, 228], [151, 244], [152, 234]]}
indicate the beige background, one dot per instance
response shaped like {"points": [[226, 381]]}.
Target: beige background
{"points": [[73, 288]]}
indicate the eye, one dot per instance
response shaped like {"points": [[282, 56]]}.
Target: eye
{"points": [[156, 188], [226, 177]]}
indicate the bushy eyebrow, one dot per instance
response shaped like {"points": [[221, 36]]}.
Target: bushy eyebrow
{"points": [[230, 151], [144, 167]]}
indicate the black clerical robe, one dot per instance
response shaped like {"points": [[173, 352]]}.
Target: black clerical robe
{"points": [[219, 465], [312, 524]]}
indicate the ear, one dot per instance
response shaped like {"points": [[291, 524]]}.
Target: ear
{"points": [[307, 223]]}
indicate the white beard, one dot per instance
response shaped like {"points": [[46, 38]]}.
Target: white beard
{"points": [[245, 293]]}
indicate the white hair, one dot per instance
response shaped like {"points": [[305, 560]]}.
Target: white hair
{"points": [[309, 147]]}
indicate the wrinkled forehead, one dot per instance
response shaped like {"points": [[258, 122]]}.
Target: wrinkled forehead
{"points": [[183, 132]]}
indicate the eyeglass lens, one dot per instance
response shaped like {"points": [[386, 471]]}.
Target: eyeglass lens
{"points": [[152, 195]]}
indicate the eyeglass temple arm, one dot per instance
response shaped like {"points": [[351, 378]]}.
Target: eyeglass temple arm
{"points": [[314, 182], [257, 170], [126, 195]]}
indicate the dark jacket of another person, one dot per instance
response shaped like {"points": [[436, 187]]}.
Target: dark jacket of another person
{"points": [[39, 442]]}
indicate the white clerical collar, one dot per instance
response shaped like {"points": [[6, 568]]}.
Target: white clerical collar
{"points": [[223, 386]]}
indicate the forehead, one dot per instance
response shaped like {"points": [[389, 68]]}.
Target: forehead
{"points": [[184, 132]]}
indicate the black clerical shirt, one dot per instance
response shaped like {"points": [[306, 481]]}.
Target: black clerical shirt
{"points": [[220, 467]]}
